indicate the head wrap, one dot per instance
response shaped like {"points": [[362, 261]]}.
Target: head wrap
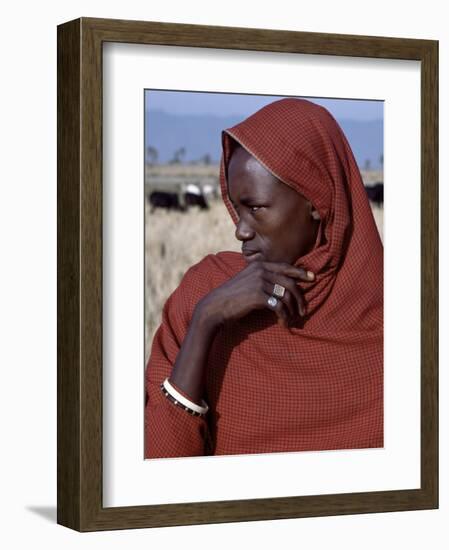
{"points": [[301, 144]]}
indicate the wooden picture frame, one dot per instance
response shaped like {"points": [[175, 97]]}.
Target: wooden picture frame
{"points": [[79, 202]]}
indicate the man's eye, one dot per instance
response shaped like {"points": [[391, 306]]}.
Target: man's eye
{"points": [[254, 208]]}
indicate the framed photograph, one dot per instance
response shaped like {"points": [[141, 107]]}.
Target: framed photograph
{"points": [[247, 274]]}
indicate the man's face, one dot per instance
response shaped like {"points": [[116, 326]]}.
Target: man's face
{"points": [[275, 222]]}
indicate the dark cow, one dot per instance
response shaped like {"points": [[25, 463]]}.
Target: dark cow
{"points": [[376, 193], [164, 199], [194, 199]]}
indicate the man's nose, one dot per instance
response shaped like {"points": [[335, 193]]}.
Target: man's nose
{"points": [[243, 232]]}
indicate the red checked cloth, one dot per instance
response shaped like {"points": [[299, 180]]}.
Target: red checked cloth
{"points": [[318, 386]]}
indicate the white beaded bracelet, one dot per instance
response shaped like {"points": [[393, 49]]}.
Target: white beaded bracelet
{"points": [[189, 405]]}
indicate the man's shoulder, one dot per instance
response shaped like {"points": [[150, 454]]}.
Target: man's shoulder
{"points": [[202, 277], [219, 266]]}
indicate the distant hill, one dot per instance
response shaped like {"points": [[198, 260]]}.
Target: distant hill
{"points": [[199, 135]]}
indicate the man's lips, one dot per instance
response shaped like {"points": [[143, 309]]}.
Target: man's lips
{"points": [[251, 254]]}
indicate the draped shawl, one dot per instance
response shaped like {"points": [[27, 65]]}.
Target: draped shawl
{"points": [[313, 386]]}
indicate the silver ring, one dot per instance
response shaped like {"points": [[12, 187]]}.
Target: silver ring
{"points": [[272, 301], [279, 290]]}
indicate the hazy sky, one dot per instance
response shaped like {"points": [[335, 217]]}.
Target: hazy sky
{"points": [[238, 104]]}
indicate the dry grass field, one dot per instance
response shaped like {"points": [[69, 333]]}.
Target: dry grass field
{"points": [[176, 240]]}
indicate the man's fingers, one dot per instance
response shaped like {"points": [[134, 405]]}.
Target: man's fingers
{"points": [[290, 285], [288, 299], [289, 270], [279, 307]]}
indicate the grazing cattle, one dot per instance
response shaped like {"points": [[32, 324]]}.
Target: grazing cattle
{"points": [[194, 196], [179, 197], [164, 199], [376, 193], [192, 199]]}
